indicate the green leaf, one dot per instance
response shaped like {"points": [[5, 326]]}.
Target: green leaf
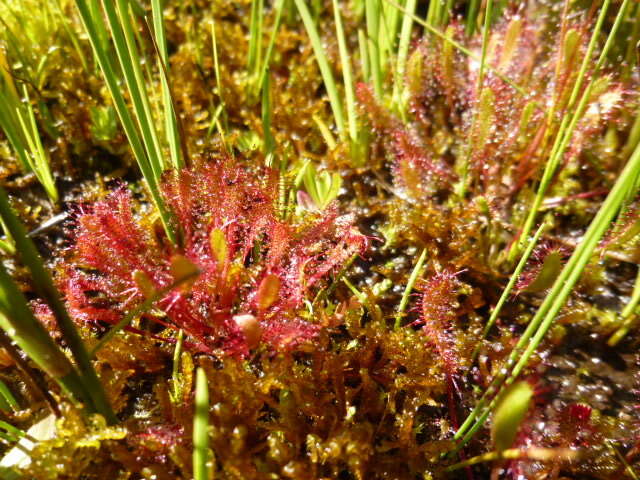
{"points": [[509, 413]]}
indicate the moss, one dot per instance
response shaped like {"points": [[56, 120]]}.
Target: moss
{"points": [[293, 316]]}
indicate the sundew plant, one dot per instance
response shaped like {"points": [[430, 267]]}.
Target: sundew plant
{"points": [[328, 239]]}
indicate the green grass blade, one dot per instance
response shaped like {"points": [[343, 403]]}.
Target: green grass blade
{"points": [[472, 16], [18, 321], [72, 36], [555, 299], [269, 142], [349, 91], [8, 397], [201, 428], [130, 61], [570, 121], [364, 56], [216, 67], [417, 270], [255, 37], [401, 62], [279, 7], [323, 64], [39, 160], [170, 120], [477, 110], [175, 371], [96, 29], [628, 315], [507, 290], [372, 12], [458, 46], [43, 283]]}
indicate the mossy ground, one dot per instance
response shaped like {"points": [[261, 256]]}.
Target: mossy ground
{"points": [[364, 398]]}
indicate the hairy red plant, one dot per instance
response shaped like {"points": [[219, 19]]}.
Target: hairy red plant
{"points": [[256, 270], [415, 168], [438, 311], [156, 442], [438, 305]]}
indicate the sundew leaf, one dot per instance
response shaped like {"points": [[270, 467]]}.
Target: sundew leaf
{"points": [[219, 246], [268, 291], [511, 38], [485, 116], [548, 272], [509, 413]]}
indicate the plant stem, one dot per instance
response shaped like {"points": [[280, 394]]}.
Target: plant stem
{"points": [[569, 121], [507, 290], [323, 64], [415, 273], [43, 283], [201, 428], [544, 317]]}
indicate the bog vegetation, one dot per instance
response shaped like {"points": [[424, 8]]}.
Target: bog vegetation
{"points": [[356, 239]]}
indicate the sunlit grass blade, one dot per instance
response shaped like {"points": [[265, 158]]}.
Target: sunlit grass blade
{"points": [[349, 91], [28, 374], [255, 37], [18, 321], [364, 55], [372, 12], [279, 8], [269, 142], [66, 24], [478, 110], [417, 270], [170, 120], [130, 61], [323, 64], [17, 120], [628, 315], [570, 120], [43, 283], [495, 313], [201, 454], [458, 46], [554, 301], [96, 30], [216, 66], [401, 61], [8, 398], [472, 16], [176, 382], [39, 161]]}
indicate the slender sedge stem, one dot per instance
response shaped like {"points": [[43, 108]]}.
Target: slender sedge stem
{"points": [[483, 58], [569, 121], [170, 120], [562, 287], [459, 47], [507, 290], [93, 24], [175, 372], [201, 428], [372, 9], [43, 283], [415, 273], [349, 91], [401, 65], [323, 64]]}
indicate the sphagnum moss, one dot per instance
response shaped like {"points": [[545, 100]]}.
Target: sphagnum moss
{"points": [[346, 267]]}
